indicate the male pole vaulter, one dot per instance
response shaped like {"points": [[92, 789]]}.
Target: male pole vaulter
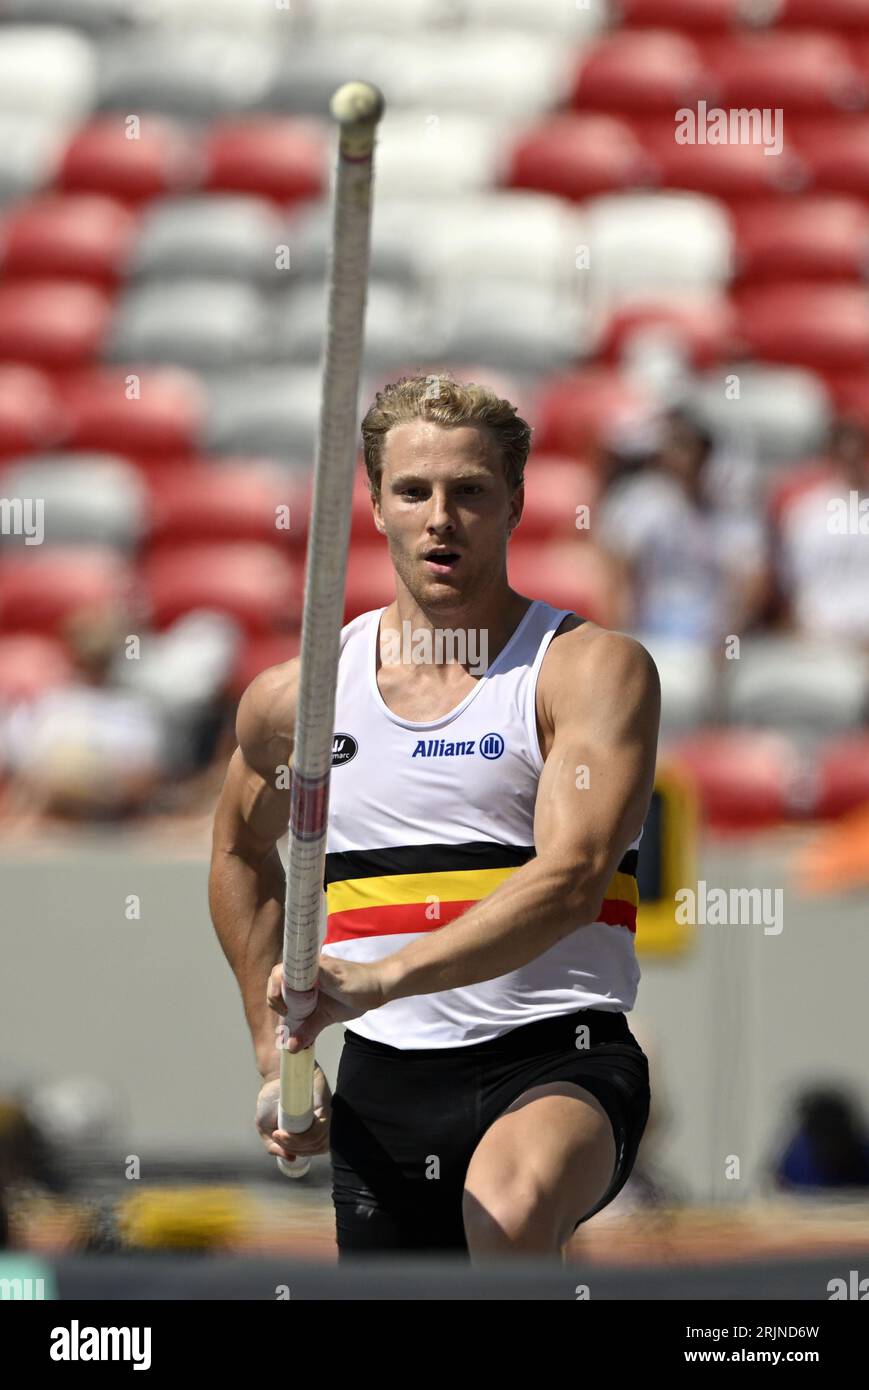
{"points": [[481, 866]]}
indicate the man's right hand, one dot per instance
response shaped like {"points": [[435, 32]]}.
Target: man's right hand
{"points": [[313, 1140]]}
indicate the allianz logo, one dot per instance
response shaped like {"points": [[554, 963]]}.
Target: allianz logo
{"points": [[490, 746]]}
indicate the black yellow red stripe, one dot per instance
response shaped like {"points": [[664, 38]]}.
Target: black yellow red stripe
{"points": [[418, 888]]}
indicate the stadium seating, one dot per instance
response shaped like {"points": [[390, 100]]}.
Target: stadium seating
{"points": [[30, 412], [274, 157], [29, 665], [97, 501], [41, 590], [164, 225], [203, 324], [645, 72], [229, 235], [52, 323], [83, 236], [134, 411], [822, 326], [129, 157], [745, 779], [205, 503], [246, 580], [818, 237], [577, 156]]}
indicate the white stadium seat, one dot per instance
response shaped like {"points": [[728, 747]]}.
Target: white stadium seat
{"points": [[191, 323], [780, 413], [509, 75], [525, 238], [565, 18], [657, 241], [31, 148], [203, 75], [688, 681], [423, 153], [393, 325], [46, 70], [819, 687], [230, 234], [266, 410], [86, 500], [523, 328]]}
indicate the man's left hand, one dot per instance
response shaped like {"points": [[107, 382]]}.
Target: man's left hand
{"points": [[345, 989]]}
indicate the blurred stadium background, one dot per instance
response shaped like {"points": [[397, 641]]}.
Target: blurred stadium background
{"points": [[687, 328]]}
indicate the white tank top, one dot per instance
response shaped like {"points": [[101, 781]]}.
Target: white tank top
{"points": [[427, 818]]}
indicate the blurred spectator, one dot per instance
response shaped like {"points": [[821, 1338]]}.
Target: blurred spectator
{"points": [[693, 567], [86, 750], [822, 555], [829, 1146]]}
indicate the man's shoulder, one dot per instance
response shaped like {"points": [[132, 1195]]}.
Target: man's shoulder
{"points": [[585, 656], [267, 711]]}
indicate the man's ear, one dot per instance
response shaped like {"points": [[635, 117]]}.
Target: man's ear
{"points": [[377, 513], [517, 504]]}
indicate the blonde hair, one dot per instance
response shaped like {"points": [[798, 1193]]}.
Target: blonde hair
{"points": [[445, 401]]}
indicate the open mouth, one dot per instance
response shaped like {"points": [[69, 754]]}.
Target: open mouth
{"points": [[441, 560]]}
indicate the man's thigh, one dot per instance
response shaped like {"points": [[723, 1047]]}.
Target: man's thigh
{"points": [[544, 1162]]}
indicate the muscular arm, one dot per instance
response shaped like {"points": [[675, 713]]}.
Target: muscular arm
{"points": [[246, 885], [603, 703]]}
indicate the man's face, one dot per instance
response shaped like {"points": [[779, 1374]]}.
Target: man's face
{"points": [[445, 509]]}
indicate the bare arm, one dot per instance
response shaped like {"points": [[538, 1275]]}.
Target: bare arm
{"points": [[246, 886], [604, 708]]}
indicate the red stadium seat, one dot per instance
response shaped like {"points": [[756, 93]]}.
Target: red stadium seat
{"points": [[788, 486], [52, 323], [697, 16], [370, 579], [229, 504], [82, 236], [728, 171], [577, 156], [575, 413], [703, 326], [572, 574], [30, 413], [101, 158], [850, 393], [819, 326], [362, 528], [799, 72], [105, 412], [843, 775], [744, 778], [834, 152], [554, 489], [249, 582], [276, 157], [654, 70], [40, 592], [847, 16], [259, 651], [31, 664], [808, 238]]}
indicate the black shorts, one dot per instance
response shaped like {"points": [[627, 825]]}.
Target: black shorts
{"points": [[401, 1116]]}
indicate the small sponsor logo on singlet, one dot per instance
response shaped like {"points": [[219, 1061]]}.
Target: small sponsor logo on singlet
{"points": [[344, 749], [490, 745]]}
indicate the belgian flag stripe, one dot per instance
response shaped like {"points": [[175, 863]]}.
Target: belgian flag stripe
{"points": [[437, 859]]}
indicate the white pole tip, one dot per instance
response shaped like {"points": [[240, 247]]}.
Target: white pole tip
{"points": [[357, 103]]}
